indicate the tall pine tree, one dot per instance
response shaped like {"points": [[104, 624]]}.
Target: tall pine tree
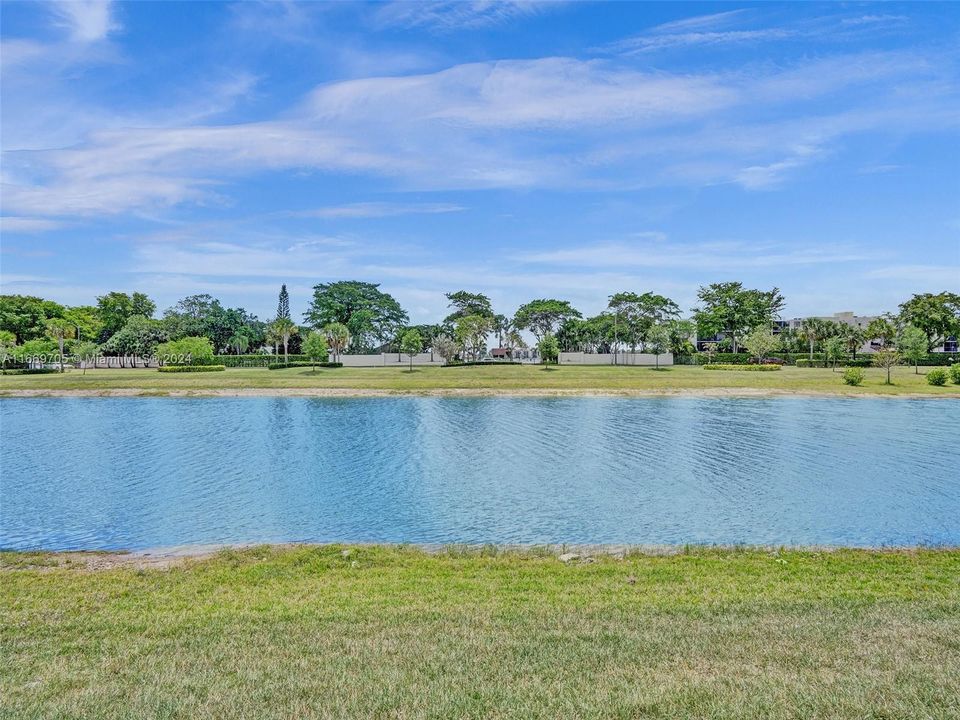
{"points": [[283, 306]]}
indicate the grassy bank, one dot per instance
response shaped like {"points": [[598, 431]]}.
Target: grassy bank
{"points": [[505, 378], [393, 632]]}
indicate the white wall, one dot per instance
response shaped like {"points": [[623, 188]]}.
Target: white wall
{"points": [[624, 358], [388, 360]]}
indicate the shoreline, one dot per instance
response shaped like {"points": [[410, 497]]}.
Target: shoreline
{"points": [[719, 392], [162, 558]]}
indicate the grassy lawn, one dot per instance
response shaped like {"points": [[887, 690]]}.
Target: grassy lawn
{"points": [[502, 378], [396, 633]]}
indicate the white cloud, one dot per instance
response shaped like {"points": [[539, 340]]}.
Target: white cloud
{"points": [[659, 253], [546, 123], [12, 224], [85, 20], [450, 15], [380, 210]]}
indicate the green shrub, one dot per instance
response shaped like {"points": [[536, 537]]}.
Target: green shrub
{"points": [[190, 368], [460, 363], [254, 360], [32, 371], [937, 376], [853, 376], [186, 351], [955, 373], [284, 366], [752, 368]]}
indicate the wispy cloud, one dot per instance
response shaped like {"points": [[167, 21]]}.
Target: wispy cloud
{"points": [[12, 224], [450, 15], [85, 20], [379, 210]]}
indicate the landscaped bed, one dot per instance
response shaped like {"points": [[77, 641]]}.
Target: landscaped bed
{"points": [[372, 632]]}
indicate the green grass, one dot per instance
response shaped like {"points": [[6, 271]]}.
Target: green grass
{"points": [[397, 633], [485, 378]]}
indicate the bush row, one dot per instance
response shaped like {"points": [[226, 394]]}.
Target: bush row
{"points": [[460, 363], [31, 371], [283, 366], [803, 359], [254, 360], [190, 368], [731, 366]]}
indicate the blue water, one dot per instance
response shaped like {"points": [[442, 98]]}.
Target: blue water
{"points": [[139, 473]]}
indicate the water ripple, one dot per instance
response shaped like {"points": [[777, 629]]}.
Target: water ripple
{"points": [[139, 472]]}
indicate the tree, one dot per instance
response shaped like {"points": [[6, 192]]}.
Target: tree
{"points": [[657, 341], [471, 334], [283, 304], [195, 350], [549, 349], [86, 353], [410, 344], [369, 314], [710, 348], [338, 337], [203, 315], [315, 347], [8, 341], [467, 303], [60, 330], [882, 329], [285, 328], [938, 316], [86, 320], [446, 348], [886, 358], [138, 337], [116, 308], [833, 350], [681, 332], [730, 309], [541, 316], [853, 338], [501, 326], [760, 342], [913, 345], [239, 343], [26, 316], [636, 314], [814, 330]]}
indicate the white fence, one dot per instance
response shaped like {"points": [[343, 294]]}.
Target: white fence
{"points": [[623, 358], [389, 360]]}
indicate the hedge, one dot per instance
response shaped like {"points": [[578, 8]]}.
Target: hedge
{"points": [[469, 363], [255, 360], [190, 368], [803, 359], [31, 371], [955, 373], [731, 366], [284, 366]]}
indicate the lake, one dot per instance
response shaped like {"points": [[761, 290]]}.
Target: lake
{"points": [[135, 473]]}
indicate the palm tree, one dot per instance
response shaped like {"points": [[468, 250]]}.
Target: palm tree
{"points": [[853, 338], [59, 329], [338, 337], [239, 342], [813, 330], [285, 328]]}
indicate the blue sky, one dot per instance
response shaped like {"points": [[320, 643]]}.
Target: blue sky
{"points": [[519, 149]]}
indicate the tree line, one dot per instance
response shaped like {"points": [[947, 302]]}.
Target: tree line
{"points": [[358, 317]]}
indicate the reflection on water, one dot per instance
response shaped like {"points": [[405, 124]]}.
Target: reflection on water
{"points": [[137, 472]]}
